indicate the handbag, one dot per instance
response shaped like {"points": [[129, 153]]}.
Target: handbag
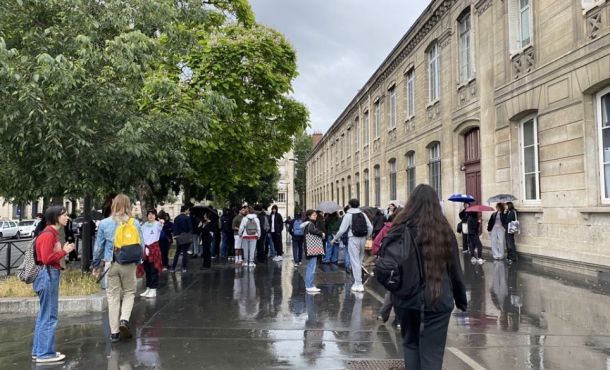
{"points": [[184, 238], [514, 227], [314, 246], [464, 227], [459, 227]]}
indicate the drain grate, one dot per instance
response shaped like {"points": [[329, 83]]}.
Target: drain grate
{"points": [[375, 364]]}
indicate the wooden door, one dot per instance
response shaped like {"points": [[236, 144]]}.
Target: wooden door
{"points": [[472, 162]]}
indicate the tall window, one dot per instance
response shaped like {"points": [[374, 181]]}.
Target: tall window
{"points": [[281, 197], [434, 167], [520, 23], [349, 187], [392, 93], [356, 134], [529, 153], [377, 175], [367, 188], [342, 192], [365, 129], [338, 192], [433, 73], [465, 56], [392, 166], [410, 92], [377, 119], [603, 117], [410, 172], [357, 178], [332, 191]]}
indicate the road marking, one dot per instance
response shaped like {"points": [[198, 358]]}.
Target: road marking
{"points": [[467, 359]]}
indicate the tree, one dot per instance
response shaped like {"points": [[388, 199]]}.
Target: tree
{"points": [[302, 148]]}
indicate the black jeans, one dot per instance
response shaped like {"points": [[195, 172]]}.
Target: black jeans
{"points": [[465, 242], [277, 243], [423, 350], [152, 275], [475, 242], [260, 247], [207, 255], [164, 246], [511, 249], [181, 249]]}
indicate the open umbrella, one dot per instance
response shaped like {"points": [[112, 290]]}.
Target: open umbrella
{"points": [[461, 198], [328, 206], [200, 211], [479, 208], [501, 198], [397, 203]]}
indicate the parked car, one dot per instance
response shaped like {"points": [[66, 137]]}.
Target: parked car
{"points": [[27, 227], [9, 229]]}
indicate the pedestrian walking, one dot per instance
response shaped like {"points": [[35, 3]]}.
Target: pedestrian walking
{"points": [[195, 250], [295, 229], [166, 238], [227, 233], [120, 273], [276, 224], [463, 215], [207, 239], [511, 215], [183, 233], [358, 228], [497, 231], [49, 253], [386, 308], [425, 315], [250, 232], [313, 236], [236, 224], [261, 257], [474, 242], [333, 223], [153, 263]]}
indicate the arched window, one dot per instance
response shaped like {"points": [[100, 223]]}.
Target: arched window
{"points": [[357, 178], [529, 155], [410, 159], [366, 188], [433, 73], [349, 187], [434, 167], [392, 168], [377, 174]]}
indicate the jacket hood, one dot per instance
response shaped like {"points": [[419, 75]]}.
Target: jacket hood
{"points": [[354, 210], [252, 215]]}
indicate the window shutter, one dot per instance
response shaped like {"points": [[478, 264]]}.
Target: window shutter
{"points": [[513, 26]]}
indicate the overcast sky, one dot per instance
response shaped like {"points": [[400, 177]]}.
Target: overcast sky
{"points": [[339, 45]]}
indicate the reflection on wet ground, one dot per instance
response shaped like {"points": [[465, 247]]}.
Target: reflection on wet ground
{"points": [[519, 317]]}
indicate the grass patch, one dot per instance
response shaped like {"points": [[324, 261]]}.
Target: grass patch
{"points": [[72, 283]]}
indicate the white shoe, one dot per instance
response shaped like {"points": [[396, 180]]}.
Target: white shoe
{"points": [[480, 261], [280, 258], [473, 260], [145, 294], [358, 288], [56, 358], [313, 289], [152, 293]]}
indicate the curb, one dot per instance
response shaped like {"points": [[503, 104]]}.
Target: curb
{"points": [[77, 304]]}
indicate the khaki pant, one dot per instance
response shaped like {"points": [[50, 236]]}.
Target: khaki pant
{"points": [[121, 283]]}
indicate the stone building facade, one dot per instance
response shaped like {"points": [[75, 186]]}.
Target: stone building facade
{"points": [[488, 97]]}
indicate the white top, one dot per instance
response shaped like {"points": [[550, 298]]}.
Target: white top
{"points": [[273, 222], [151, 232]]}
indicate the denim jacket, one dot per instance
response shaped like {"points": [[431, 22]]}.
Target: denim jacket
{"points": [[104, 240]]}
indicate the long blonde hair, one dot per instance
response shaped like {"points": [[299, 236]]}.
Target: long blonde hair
{"points": [[121, 207]]}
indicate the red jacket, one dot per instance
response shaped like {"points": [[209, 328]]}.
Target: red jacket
{"points": [[48, 248], [379, 238]]}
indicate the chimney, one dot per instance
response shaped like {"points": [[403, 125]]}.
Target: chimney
{"points": [[315, 138]]}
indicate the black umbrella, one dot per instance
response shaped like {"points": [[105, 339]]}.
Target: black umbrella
{"points": [[200, 211]]}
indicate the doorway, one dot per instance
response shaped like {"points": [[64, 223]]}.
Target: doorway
{"points": [[472, 164]]}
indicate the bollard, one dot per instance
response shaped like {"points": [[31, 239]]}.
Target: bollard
{"points": [[8, 258]]}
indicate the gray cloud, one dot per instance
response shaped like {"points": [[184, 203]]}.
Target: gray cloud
{"points": [[339, 44]]}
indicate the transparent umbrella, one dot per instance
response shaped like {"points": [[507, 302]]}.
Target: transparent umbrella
{"points": [[328, 206]]}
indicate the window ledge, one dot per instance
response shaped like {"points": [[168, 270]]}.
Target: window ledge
{"points": [[392, 129], [411, 118], [432, 103], [595, 6], [461, 85], [529, 210], [516, 53], [588, 211]]}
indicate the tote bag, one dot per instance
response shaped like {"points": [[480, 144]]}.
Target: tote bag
{"points": [[314, 246]]}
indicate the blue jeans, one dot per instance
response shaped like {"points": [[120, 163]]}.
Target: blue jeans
{"points": [[271, 246], [46, 286], [224, 245], [332, 250], [310, 272], [297, 249], [346, 262]]}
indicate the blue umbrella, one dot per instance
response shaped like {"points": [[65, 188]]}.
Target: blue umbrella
{"points": [[461, 198]]}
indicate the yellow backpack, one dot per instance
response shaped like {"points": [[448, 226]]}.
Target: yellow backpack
{"points": [[127, 243]]}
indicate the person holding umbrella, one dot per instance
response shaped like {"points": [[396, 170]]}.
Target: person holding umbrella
{"points": [[466, 199], [496, 229]]}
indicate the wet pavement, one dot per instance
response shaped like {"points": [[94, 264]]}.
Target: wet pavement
{"points": [[519, 317]]}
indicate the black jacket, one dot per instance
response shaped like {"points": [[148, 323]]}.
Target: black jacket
{"points": [[279, 223], [492, 220], [311, 228], [473, 224], [452, 283]]}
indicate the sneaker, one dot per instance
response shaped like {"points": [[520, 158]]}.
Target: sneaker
{"points": [[480, 261], [145, 294], [114, 338], [313, 289], [56, 354], [164, 269], [252, 264], [279, 258], [358, 288], [465, 251], [183, 271], [473, 260], [152, 293], [173, 271], [124, 329], [57, 358]]}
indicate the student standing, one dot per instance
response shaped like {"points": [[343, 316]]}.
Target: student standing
{"points": [[153, 264], [236, 223], [276, 224], [207, 238], [250, 232], [310, 228], [49, 253], [474, 242], [183, 232], [297, 233], [495, 227], [511, 215]]}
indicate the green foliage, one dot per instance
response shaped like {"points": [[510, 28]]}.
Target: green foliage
{"points": [[115, 95], [302, 148]]}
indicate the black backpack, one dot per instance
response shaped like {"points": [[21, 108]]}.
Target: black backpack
{"points": [[399, 265], [359, 227]]}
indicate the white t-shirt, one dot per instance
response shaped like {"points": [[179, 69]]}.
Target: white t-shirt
{"points": [[151, 232]]}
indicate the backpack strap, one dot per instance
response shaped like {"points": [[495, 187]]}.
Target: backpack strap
{"points": [[422, 281]]}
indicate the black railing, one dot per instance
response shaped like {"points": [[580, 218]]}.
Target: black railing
{"points": [[8, 250]]}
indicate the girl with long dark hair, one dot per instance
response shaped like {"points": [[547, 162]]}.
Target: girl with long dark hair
{"points": [[442, 274]]}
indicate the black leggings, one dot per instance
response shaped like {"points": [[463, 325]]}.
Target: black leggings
{"points": [[475, 242]]}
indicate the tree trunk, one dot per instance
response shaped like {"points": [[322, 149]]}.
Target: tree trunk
{"points": [[87, 234], [146, 198]]}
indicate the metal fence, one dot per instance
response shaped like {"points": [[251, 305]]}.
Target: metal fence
{"points": [[11, 254]]}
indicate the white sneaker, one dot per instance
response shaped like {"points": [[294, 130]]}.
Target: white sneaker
{"points": [[145, 294], [313, 289], [280, 258], [57, 358], [358, 288], [152, 293], [473, 260], [480, 261]]}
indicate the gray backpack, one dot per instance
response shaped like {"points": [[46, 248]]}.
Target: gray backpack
{"points": [[29, 269]]}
